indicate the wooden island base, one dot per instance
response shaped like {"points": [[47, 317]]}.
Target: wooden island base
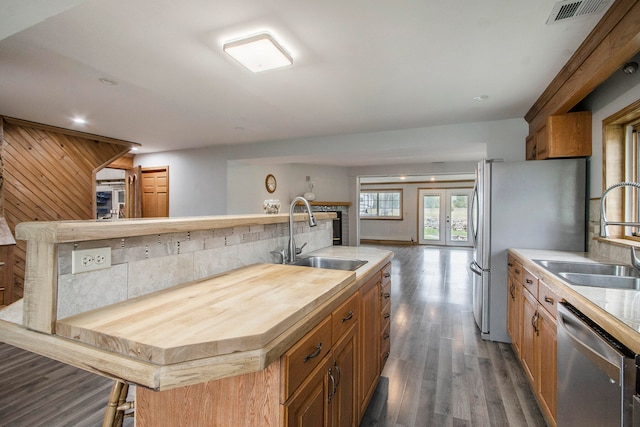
{"points": [[246, 400]]}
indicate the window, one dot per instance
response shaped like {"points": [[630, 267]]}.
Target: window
{"points": [[381, 204], [621, 162]]}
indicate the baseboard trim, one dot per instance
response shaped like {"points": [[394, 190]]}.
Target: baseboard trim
{"points": [[386, 242]]}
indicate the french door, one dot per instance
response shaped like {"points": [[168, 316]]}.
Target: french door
{"points": [[444, 217]]}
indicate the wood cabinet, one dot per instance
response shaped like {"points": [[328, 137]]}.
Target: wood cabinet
{"points": [[7, 245], [369, 340], [385, 315], [565, 135], [532, 304], [514, 303], [325, 379]]}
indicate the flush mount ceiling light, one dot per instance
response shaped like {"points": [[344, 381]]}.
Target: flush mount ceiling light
{"points": [[481, 98], [258, 53]]}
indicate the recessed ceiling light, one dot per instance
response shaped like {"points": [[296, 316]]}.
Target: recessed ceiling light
{"points": [[258, 53], [134, 148], [106, 81], [481, 98], [79, 121]]}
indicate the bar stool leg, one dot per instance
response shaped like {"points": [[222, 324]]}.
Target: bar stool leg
{"points": [[117, 405]]}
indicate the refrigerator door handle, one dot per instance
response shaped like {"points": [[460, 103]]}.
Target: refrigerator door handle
{"points": [[475, 268], [474, 207]]}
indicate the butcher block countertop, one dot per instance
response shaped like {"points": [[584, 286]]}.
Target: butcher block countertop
{"points": [[617, 311], [241, 310], [237, 322]]}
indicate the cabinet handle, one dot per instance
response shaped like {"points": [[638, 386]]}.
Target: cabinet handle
{"points": [[517, 271], [332, 390], [387, 275], [529, 281], [549, 300], [349, 316], [387, 315], [337, 368], [385, 337], [314, 354], [534, 322], [510, 264], [386, 295], [1, 263], [512, 290], [385, 356]]}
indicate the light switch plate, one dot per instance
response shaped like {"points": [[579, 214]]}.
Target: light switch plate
{"points": [[83, 260]]}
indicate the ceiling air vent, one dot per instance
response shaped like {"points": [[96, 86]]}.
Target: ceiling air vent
{"points": [[570, 9]]}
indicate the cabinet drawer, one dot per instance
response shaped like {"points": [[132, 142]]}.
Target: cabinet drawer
{"points": [[385, 318], [385, 294], [530, 282], [304, 356], [345, 316], [386, 274], [515, 268], [548, 298]]}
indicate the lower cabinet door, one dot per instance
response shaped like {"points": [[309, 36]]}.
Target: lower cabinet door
{"points": [[308, 407], [344, 401]]}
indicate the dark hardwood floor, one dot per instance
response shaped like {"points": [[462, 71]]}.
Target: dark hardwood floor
{"points": [[440, 371]]}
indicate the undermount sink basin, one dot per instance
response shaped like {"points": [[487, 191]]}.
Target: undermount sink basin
{"points": [[330, 263], [602, 281], [600, 275], [589, 268]]}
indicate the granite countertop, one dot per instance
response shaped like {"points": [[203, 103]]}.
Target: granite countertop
{"points": [[616, 310]]}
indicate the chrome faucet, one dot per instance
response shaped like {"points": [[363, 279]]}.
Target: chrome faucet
{"points": [[293, 250], [604, 230]]}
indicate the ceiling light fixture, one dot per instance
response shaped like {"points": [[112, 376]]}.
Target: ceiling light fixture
{"points": [[258, 53], [630, 67], [481, 98], [79, 121]]}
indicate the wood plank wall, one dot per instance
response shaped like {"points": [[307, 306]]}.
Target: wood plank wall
{"points": [[48, 175]]}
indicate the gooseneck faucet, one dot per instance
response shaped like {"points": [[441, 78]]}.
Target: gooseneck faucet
{"points": [[293, 250], [604, 230]]}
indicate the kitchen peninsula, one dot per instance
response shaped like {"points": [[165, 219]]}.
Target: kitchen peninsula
{"points": [[229, 338]]}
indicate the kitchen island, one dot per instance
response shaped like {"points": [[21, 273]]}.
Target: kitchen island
{"points": [[218, 350]]}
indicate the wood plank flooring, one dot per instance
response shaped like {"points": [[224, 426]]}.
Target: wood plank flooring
{"points": [[440, 372]]}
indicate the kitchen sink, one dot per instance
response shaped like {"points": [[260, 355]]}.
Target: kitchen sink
{"points": [[600, 275], [602, 281], [330, 263], [589, 268]]}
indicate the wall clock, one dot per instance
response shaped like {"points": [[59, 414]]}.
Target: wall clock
{"points": [[270, 183]]}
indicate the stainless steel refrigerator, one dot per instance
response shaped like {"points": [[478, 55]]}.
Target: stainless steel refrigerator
{"points": [[529, 205]]}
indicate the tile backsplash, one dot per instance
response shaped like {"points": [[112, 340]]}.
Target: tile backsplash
{"points": [[144, 264]]}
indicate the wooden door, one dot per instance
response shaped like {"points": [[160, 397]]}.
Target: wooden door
{"points": [[513, 311], [369, 339], [546, 349], [529, 326], [308, 406], [344, 406], [155, 192]]}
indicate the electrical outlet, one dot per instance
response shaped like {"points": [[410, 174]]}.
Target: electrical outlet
{"points": [[83, 260]]}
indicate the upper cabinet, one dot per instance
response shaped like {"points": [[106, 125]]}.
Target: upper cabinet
{"points": [[563, 135]]}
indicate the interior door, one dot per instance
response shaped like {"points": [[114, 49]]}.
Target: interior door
{"points": [[155, 192], [444, 217]]}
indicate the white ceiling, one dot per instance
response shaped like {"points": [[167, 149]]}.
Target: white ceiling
{"points": [[359, 66]]}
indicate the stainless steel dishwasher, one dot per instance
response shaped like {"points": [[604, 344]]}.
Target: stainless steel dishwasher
{"points": [[596, 374]]}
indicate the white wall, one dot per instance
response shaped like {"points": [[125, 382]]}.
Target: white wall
{"points": [[230, 179], [197, 180], [246, 185], [494, 139]]}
